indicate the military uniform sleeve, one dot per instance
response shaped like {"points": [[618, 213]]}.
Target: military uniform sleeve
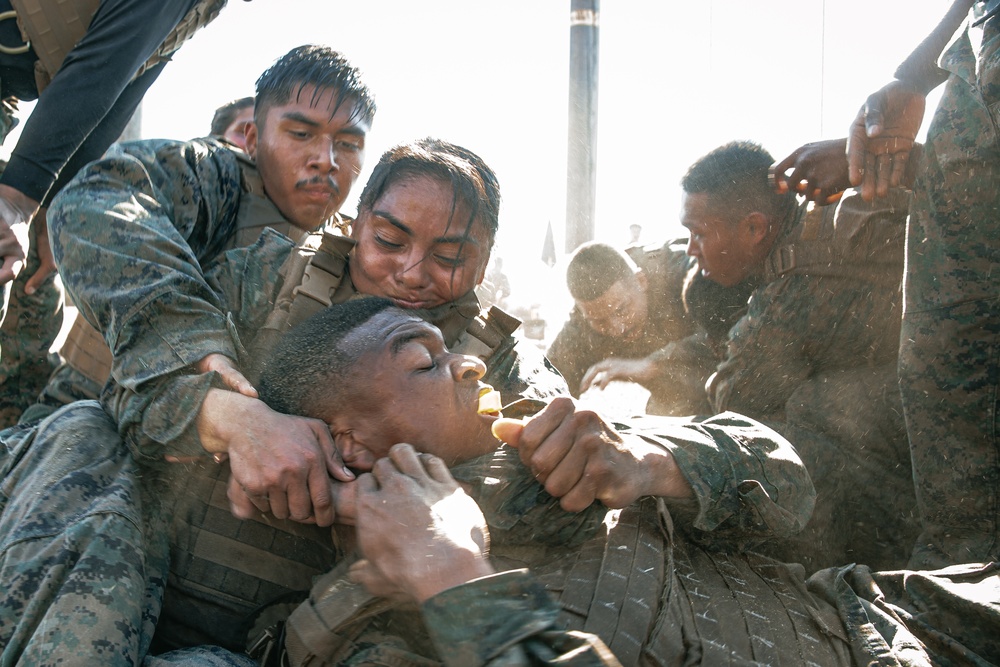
{"points": [[770, 349], [78, 116], [148, 215], [799, 326], [506, 619], [572, 352], [748, 481], [518, 369]]}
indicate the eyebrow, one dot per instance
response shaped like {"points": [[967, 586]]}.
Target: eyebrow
{"points": [[401, 341], [299, 117], [397, 223]]}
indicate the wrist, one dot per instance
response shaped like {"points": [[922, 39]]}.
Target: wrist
{"points": [[19, 201], [451, 574], [219, 411], [663, 475]]}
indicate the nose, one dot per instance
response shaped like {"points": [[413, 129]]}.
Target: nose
{"points": [[412, 274], [466, 368], [692, 249], [324, 158]]}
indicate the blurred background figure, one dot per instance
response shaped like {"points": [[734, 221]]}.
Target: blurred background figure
{"points": [[629, 324], [495, 288], [229, 123]]}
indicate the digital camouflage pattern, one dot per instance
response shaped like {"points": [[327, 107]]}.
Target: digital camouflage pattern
{"points": [[82, 544], [161, 313], [673, 583], [158, 309], [949, 359], [814, 356], [669, 334], [27, 332]]}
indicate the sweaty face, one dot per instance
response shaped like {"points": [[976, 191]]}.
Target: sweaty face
{"points": [[408, 387], [236, 133], [412, 248], [717, 244], [621, 311], [308, 156]]}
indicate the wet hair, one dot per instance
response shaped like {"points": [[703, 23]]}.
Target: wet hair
{"points": [[472, 181], [306, 370], [594, 268], [227, 113], [735, 177], [315, 65]]}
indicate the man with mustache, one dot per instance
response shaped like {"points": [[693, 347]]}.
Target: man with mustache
{"points": [[426, 223], [321, 179], [307, 146]]}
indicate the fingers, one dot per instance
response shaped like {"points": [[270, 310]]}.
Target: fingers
{"points": [[240, 504], [37, 278], [873, 114], [508, 430], [334, 460], [779, 169], [321, 497], [547, 437], [231, 376], [857, 143], [9, 269]]}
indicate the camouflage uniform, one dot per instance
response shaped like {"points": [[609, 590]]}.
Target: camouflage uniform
{"points": [[670, 582], [77, 526], [160, 313], [89, 114], [948, 359], [669, 337], [26, 334], [814, 356]]}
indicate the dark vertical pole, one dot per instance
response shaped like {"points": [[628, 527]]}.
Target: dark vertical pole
{"points": [[581, 176]]}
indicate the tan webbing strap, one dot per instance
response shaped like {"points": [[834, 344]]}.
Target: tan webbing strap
{"points": [[86, 352], [55, 26], [322, 276], [626, 597], [200, 15], [335, 613], [486, 333]]}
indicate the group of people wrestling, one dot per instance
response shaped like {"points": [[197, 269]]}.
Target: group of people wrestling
{"points": [[315, 448]]}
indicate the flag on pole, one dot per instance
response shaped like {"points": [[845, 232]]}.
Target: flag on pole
{"points": [[549, 247]]}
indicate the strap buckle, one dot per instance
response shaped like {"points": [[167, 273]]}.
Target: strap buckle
{"points": [[13, 50]]}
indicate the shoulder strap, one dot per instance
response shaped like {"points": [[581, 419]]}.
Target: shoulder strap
{"points": [[312, 279], [486, 333], [854, 239], [54, 27]]}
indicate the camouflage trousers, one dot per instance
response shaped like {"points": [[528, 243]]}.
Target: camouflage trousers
{"points": [[29, 327], [82, 549], [949, 358]]}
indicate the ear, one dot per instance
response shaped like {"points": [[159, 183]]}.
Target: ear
{"points": [[352, 448], [251, 140], [756, 227]]}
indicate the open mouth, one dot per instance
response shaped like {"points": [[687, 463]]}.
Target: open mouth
{"points": [[489, 402]]}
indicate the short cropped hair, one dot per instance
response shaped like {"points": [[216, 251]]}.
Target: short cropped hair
{"points": [[471, 179], [227, 113], [307, 368], [594, 268], [315, 65], [735, 177]]}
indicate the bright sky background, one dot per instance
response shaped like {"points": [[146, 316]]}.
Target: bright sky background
{"points": [[676, 80]]}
